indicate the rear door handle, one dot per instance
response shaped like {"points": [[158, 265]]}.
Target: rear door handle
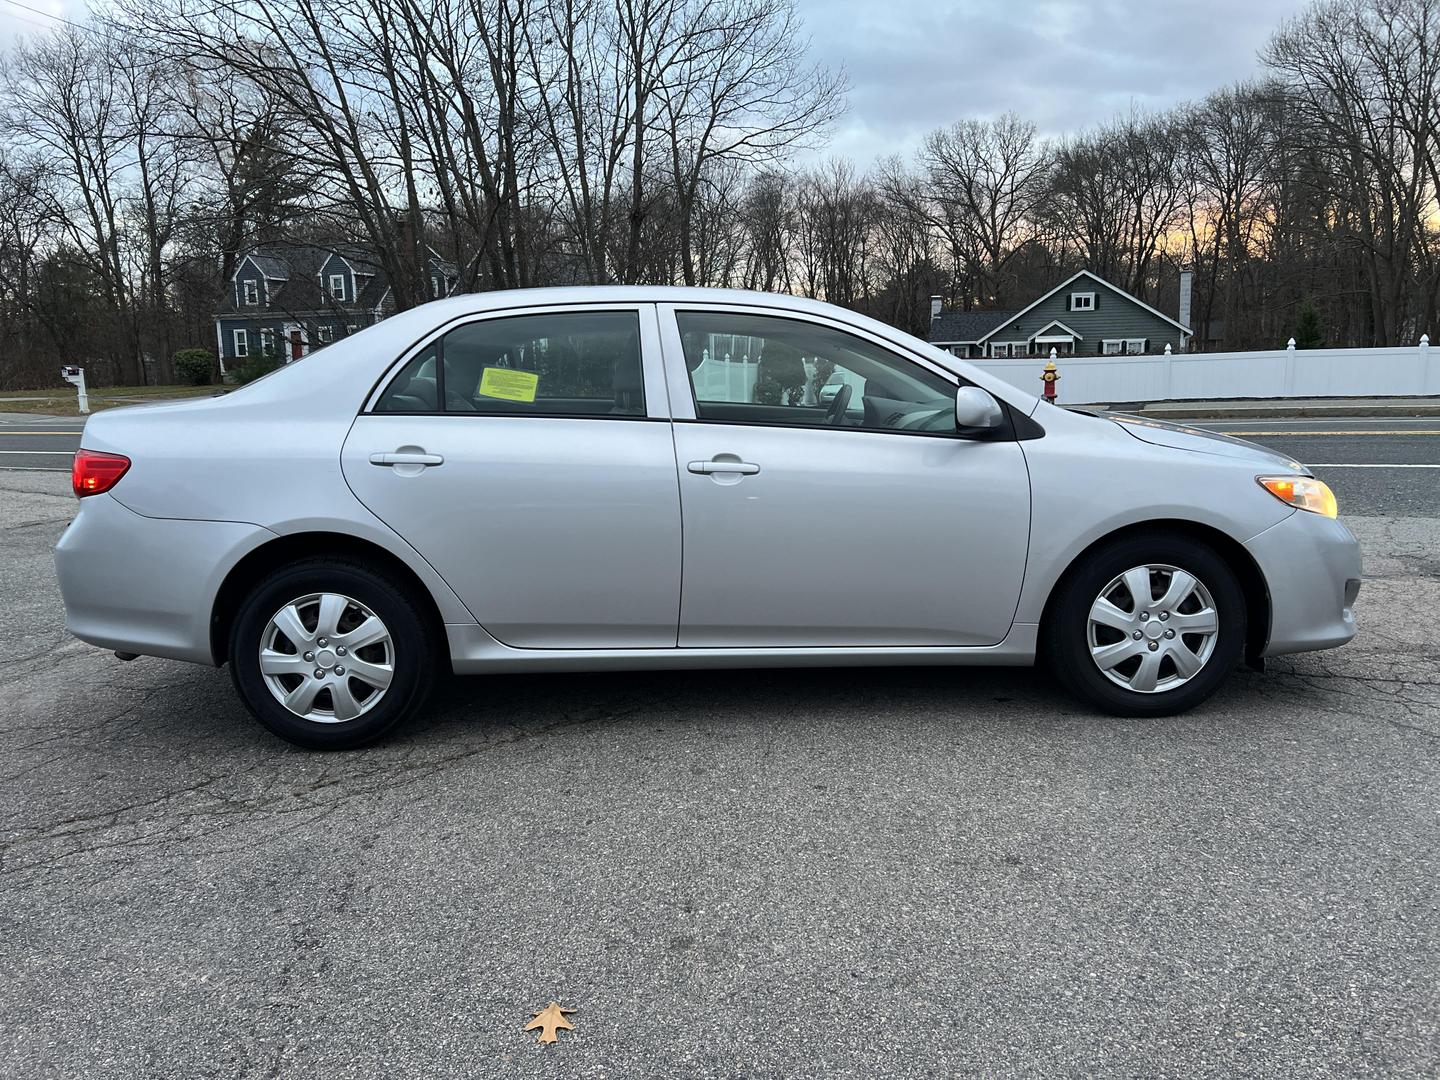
{"points": [[705, 468], [406, 457]]}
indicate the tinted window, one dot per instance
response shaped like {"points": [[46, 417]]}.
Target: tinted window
{"points": [[581, 364], [762, 369]]}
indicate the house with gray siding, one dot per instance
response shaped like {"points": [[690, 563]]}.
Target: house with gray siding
{"points": [[1084, 315], [288, 301]]}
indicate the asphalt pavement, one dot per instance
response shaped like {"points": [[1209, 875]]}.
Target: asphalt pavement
{"points": [[914, 872], [38, 443]]}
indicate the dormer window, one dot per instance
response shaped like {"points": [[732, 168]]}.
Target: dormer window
{"points": [[337, 286], [1082, 301], [251, 292]]}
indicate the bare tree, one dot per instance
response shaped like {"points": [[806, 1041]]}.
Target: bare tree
{"points": [[743, 92], [986, 178], [66, 99], [1363, 78]]}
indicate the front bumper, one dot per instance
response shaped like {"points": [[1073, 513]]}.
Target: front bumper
{"points": [[146, 585], [1311, 566]]}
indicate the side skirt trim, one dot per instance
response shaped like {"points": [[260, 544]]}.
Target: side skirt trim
{"points": [[473, 652]]}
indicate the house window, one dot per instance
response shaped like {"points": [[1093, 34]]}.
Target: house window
{"points": [[436, 290], [252, 293], [1123, 346], [351, 328], [1008, 349], [337, 286], [267, 342], [242, 343], [1082, 301], [999, 351], [326, 334]]}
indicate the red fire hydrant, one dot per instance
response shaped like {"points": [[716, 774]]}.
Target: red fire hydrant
{"points": [[1050, 377]]}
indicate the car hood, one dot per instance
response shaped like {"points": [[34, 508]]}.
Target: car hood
{"points": [[1179, 437]]}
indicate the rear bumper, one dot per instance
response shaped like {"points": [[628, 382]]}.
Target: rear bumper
{"points": [[1312, 569], [146, 585]]}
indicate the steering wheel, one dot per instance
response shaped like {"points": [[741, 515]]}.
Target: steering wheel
{"points": [[835, 414]]}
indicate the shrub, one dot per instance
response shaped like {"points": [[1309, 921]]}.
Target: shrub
{"points": [[255, 367], [1308, 331], [194, 367]]}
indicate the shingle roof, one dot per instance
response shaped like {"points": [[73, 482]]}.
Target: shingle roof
{"points": [[966, 325], [271, 267]]}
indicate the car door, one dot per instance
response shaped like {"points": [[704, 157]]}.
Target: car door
{"points": [[527, 456], [827, 497]]}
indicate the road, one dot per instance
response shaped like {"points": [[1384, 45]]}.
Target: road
{"points": [[38, 442], [906, 873], [1374, 466]]}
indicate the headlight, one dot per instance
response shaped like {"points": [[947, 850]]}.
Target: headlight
{"points": [[1303, 492]]}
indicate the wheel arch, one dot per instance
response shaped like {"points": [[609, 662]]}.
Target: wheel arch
{"points": [[1241, 562], [293, 547]]}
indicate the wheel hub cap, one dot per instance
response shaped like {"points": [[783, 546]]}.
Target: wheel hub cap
{"points": [[1153, 628], [302, 665]]}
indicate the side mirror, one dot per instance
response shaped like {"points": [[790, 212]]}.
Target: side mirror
{"points": [[976, 412]]}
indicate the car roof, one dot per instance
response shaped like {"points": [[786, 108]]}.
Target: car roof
{"points": [[650, 294]]}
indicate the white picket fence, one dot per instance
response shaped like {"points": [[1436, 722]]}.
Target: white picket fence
{"points": [[1279, 373]]}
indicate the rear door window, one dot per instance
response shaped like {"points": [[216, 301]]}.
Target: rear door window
{"points": [[584, 363]]}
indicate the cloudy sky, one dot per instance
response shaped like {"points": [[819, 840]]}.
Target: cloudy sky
{"points": [[28, 16], [917, 64]]}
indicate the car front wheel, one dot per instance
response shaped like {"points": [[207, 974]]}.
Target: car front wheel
{"points": [[1148, 626], [330, 654]]}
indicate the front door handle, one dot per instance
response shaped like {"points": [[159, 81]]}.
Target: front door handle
{"points": [[407, 457], [705, 468]]}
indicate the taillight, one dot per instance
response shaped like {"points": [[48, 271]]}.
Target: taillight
{"points": [[94, 472]]}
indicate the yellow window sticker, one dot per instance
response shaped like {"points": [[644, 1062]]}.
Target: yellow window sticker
{"points": [[508, 384]]}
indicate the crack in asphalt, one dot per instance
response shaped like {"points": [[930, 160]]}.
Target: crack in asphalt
{"points": [[225, 811]]}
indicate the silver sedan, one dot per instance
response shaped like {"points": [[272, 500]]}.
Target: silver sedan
{"points": [[599, 478]]}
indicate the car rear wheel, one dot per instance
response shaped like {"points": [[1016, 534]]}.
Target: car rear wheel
{"points": [[331, 654], [1147, 626]]}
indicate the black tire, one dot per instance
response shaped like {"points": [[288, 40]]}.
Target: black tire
{"points": [[1065, 642], [413, 641]]}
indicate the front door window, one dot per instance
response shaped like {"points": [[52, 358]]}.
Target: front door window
{"points": [[807, 374]]}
